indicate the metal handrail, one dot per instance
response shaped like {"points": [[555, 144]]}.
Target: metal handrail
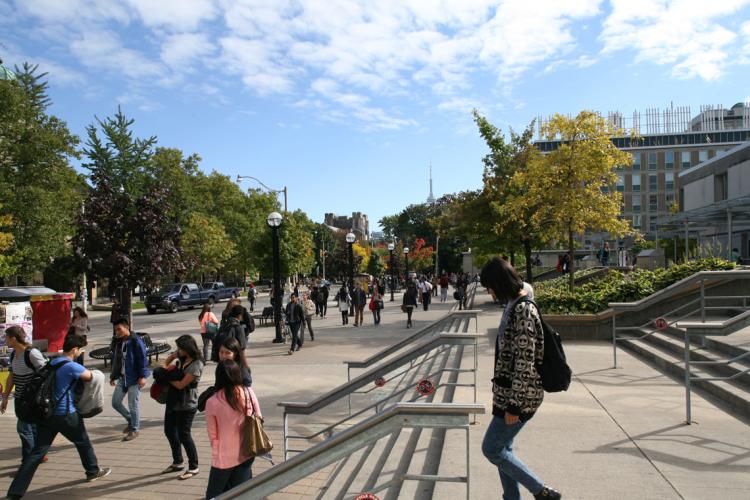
{"points": [[343, 444]]}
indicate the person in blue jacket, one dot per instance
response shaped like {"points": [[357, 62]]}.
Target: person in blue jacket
{"points": [[129, 374]]}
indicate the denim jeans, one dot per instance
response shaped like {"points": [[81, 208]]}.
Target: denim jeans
{"points": [[294, 328], [133, 412], [376, 316], [223, 480], [72, 428], [307, 323], [177, 426], [498, 448], [27, 433], [207, 346]]}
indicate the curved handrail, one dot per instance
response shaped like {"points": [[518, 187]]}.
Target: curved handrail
{"points": [[431, 328], [367, 377], [308, 461], [675, 288]]}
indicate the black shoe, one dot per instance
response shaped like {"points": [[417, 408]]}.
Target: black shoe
{"points": [[278, 341], [103, 471], [547, 494]]}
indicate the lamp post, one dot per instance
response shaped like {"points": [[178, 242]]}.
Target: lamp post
{"points": [[243, 177], [391, 247], [406, 264], [350, 242], [274, 221]]}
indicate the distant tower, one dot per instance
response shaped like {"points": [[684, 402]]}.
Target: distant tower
{"points": [[431, 198]]}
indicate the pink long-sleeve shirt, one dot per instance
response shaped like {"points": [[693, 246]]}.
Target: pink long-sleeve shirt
{"points": [[225, 429]]}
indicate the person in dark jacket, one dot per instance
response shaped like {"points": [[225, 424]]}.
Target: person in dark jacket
{"points": [[232, 328], [295, 315], [323, 294], [129, 374], [517, 386], [359, 300], [247, 322], [410, 302]]}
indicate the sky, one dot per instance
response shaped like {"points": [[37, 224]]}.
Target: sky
{"points": [[348, 103]]}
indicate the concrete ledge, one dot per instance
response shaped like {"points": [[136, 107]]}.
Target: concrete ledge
{"points": [[582, 326]]}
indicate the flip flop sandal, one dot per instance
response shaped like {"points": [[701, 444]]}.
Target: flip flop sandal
{"points": [[173, 468], [187, 475]]}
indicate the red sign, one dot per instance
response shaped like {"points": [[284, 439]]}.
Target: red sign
{"points": [[366, 496], [661, 324], [379, 382], [425, 387]]}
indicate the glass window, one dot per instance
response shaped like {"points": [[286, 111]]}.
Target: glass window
{"points": [[636, 161], [620, 183], [636, 183], [685, 159], [652, 223], [653, 184], [653, 203], [669, 181], [652, 161], [637, 203], [670, 200], [702, 155], [637, 221], [669, 159]]}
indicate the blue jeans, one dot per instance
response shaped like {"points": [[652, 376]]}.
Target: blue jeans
{"points": [[223, 480], [27, 433], [133, 412], [296, 342], [498, 448], [72, 428]]}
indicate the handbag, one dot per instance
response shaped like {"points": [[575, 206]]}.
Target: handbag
{"points": [[211, 329], [255, 441], [379, 304], [403, 307]]}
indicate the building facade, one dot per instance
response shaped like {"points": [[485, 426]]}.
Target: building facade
{"points": [[357, 223]]}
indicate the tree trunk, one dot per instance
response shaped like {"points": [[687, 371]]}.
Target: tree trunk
{"points": [[513, 258], [527, 254], [571, 265]]}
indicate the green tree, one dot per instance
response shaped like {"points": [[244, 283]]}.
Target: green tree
{"points": [[7, 265], [206, 245], [38, 186], [573, 186], [375, 265]]}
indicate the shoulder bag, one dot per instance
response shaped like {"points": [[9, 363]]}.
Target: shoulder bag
{"points": [[255, 441]]}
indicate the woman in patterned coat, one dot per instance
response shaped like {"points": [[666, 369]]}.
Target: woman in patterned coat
{"points": [[516, 386]]}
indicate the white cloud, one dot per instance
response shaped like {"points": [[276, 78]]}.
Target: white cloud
{"points": [[180, 15], [103, 50], [74, 11], [180, 51], [683, 34]]}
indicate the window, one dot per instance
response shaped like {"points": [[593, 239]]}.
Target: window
{"points": [[652, 161], [636, 221], [720, 187], [652, 223], [702, 155], [669, 181], [620, 183], [685, 159], [637, 203], [669, 159], [653, 183], [636, 161], [653, 203], [637, 183], [670, 201]]}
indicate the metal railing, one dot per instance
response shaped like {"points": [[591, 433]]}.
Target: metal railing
{"points": [[675, 320], [345, 443], [424, 356]]}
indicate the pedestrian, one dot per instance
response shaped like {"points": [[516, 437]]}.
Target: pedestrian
{"points": [[425, 289], [129, 374], [434, 285], [116, 312], [226, 412], [359, 300], [309, 307], [64, 420], [209, 328], [324, 292], [25, 361], [295, 315], [517, 385], [252, 293], [80, 321], [295, 292], [314, 297], [376, 304], [409, 302], [247, 321], [444, 284], [182, 404], [232, 328], [344, 300], [230, 350]]}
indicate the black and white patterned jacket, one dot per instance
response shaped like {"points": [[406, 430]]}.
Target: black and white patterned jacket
{"points": [[517, 385]]}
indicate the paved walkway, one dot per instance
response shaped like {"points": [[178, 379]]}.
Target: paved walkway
{"points": [[615, 433]]}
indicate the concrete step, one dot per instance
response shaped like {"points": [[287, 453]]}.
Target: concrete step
{"points": [[726, 346], [726, 396], [676, 346]]}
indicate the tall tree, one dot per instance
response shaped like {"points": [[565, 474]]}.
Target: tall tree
{"points": [[206, 244], [7, 264], [572, 187]]}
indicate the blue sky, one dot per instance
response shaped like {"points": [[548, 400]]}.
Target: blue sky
{"points": [[348, 102]]}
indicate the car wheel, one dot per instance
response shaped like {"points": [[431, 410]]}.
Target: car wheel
{"points": [[174, 307], [151, 310]]}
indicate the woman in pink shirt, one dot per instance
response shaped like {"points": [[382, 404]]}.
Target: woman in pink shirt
{"points": [[206, 316], [226, 410]]}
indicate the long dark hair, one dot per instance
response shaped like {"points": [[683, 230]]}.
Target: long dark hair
{"points": [[206, 309], [80, 311], [18, 334], [228, 379], [187, 343], [502, 278], [239, 353]]}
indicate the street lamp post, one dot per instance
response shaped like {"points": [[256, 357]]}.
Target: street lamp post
{"points": [[350, 242], [391, 247], [274, 221], [243, 177], [406, 263]]}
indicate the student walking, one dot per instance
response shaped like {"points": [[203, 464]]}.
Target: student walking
{"points": [[252, 294], [209, 328], [25, 361], [80, 321], [425, 289], [182, 404], [309, 307], [359, 299], [444, 283], [64, 420], [517, 386], [129, 374], [230, 328], [344, 301], [295, 315], [409, 302], [225, 417], [376, 304]]}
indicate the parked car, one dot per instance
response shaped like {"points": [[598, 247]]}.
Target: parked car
{"points": [[217, 291], [174, 296]]}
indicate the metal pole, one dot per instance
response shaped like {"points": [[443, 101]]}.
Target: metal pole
{"points": [[324, 260], [729, 234], [351, 276], [84, 291], [393, 283], [437, 255], [703, 301], [688, 419], [276, 285], [286, 434], [614, 336], [406, 263], [687, 242], [468, 465], [286, 209]]}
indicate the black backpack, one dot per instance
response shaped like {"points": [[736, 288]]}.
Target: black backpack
{"points": [[37, 402], [554, 369]]}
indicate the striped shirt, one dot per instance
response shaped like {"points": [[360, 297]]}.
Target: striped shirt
{"points": [[22, 373]]}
